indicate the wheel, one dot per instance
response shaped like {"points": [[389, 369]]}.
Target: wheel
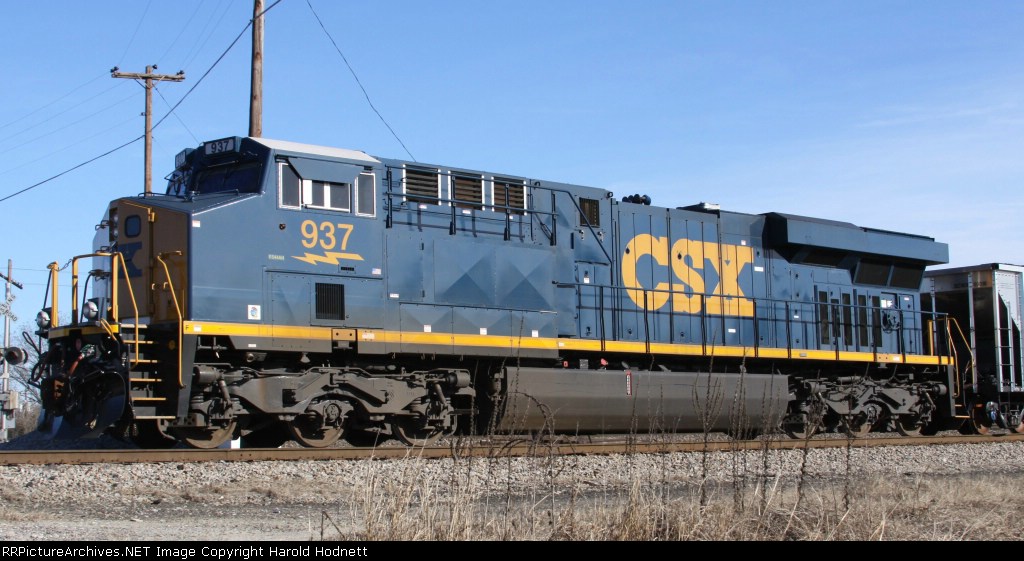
{"points": [[909, 425], [310, 432], [415, 433], [802, 426], [207, 438], [806, 421], [1019, 427], [149, 435], [984, 418], [856, 426]]}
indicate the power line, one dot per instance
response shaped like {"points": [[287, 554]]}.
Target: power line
{"points": [[69, 170], [23, 117], [350, 69], [200, 44], [207, 73], [54, 116], [71, 124], [176, 116], [73, 144], [188, 24], [136, 32], [133, 141]]}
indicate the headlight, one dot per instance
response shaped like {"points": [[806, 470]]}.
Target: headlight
{"points": [[42, 320], [90, 310]]}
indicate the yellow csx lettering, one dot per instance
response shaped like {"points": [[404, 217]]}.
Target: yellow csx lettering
{"points": [[690, 261]]}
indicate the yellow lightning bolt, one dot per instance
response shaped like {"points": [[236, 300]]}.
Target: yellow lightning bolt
{"points": [[329, 257]]}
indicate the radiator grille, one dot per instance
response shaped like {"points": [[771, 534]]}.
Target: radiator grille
{"points": [[330, 301]]}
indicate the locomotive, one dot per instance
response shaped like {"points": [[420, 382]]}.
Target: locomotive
{"points": [[280, 291]]}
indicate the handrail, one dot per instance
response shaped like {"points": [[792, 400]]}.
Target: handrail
{"points": [[177, 307], [53, 293], [117, 264], [122, 265], [971, 363], [451, 201], [643, 295]]}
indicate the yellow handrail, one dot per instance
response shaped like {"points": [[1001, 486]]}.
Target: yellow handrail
{"points": [[119, 257], [53, 293], [967, 345], [177, 308], [117, 264]]}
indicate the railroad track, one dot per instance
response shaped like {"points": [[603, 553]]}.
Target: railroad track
{"points": [[473, 448]]}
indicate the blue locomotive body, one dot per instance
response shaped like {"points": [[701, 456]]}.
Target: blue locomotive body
{"points": [[284, 290]]}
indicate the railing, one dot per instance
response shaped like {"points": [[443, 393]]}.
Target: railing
{"points": [[396, 200], [177, 307], [802, 325], [117, 266]]}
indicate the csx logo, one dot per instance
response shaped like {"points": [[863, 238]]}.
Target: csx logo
{"points": [[703, 275]]}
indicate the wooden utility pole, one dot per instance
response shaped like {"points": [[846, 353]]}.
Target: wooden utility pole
{"points": [[148, 78], [256, 88]]}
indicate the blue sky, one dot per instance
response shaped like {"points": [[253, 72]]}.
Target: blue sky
{"points": [[904, 116]]}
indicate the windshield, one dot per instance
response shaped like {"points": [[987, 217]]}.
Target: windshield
{"points": [[240, 177]]}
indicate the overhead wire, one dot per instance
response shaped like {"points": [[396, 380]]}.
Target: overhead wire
{"points": [[215, 63], [71, 169], [73, 123], [358, 82], [73, 144], [29, 114], [176, 116], [192, 54], [188, 25], [135, 33], [134, 140], [55, 115]]}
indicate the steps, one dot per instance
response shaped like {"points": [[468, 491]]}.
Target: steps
{"points": [[146, 388]]}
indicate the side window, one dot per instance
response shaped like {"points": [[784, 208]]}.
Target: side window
{"points": [[289, 186], [824, 318], [365, 196], [590, 212], [323, 194]]}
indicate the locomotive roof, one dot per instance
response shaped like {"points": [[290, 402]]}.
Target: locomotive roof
{"points": [[315, 150]]}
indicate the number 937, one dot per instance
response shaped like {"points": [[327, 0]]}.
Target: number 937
{"points": [[326, 235]]}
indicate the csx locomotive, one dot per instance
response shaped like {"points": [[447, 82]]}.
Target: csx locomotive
{"points": [[283, 291]]}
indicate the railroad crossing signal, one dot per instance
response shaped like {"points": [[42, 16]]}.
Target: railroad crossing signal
{"points": [[5, 307]]}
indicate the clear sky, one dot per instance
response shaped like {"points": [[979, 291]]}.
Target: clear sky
{"points": [[905, 116]]}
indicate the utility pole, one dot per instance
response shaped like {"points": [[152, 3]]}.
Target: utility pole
{"points": [[148, 78], [256, 87], [7, 400]]}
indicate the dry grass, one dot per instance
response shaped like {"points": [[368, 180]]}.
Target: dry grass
{"points": [[410, 508]]}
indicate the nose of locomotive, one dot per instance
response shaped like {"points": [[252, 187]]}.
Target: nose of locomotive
{"points": [[150, 244]]}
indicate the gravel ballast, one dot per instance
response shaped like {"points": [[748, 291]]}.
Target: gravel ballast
{"points": [[285, 500]]}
